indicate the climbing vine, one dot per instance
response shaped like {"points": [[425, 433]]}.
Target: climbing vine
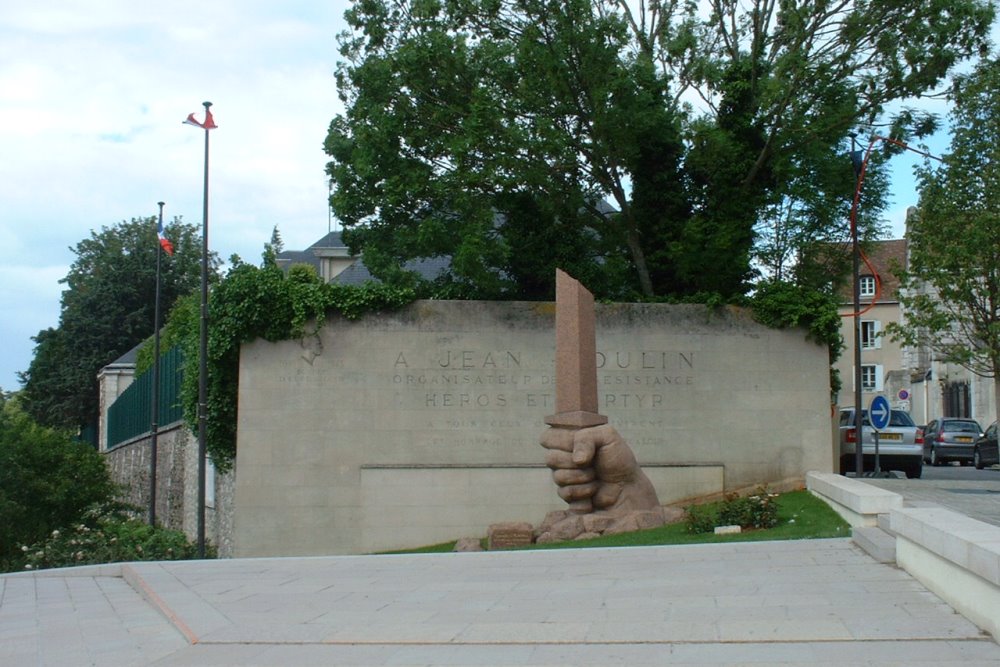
{"points": [[253, 302]]}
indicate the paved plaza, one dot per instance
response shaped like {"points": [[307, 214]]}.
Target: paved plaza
{"points": [[811, 602]]}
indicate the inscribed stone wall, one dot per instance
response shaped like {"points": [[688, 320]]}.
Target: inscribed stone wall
{"points": [[422, 425]]}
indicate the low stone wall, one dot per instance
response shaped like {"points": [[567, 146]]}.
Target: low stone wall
{"points": [[177, 484], [955, 556], [419, 503], [857, 503], [397, 429]]}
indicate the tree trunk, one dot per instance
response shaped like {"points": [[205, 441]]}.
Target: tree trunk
{"points": [[639, 259]]}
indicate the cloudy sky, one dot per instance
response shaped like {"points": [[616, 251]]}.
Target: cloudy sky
{"points": [[92, 99]]}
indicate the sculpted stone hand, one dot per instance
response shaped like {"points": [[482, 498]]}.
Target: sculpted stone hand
{"points": [[595, 469]]}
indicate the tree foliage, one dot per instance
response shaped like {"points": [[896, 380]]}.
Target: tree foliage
{"points": [[47, 480], [106, 309], [951, 288], [490, 131]]}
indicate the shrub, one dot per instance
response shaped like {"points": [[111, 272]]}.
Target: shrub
{"points": [[757, 511], [107, 535], [702, 518], [47, 481]]}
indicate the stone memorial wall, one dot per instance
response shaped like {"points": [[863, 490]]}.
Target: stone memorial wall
{"points": [[419, 426]]}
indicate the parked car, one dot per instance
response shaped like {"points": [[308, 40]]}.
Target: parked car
{"points": [[950, 439], [900, 444], [984, 452]]}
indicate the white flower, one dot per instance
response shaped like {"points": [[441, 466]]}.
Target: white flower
{"points": [[55, 533], [28, 566]]}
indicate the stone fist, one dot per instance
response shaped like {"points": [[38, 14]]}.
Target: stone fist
{"points": [[596, 470]]}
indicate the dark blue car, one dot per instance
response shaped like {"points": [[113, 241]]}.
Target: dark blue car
{"points": [[985, 453]]}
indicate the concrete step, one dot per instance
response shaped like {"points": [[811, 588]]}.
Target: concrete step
{"points": [[877, 543]]}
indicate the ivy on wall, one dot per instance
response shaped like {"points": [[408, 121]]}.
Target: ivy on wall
{"points": [[253, 302]]}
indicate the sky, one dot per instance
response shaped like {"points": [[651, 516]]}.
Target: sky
{"points": [[92, 99]]}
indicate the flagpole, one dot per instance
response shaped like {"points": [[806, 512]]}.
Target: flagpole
{"points": [[154, 410], [203, 353]]}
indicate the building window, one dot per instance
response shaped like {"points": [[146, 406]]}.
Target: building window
{"points": [[870, 338], [871, 377], [867, 285]]}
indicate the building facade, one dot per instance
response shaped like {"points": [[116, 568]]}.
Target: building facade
{"points": [[911, 378]]}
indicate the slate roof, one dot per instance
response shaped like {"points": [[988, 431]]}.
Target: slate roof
{"points": [[428, 268], [309, 256], [332, 244], [356, 274], [129, 358]]}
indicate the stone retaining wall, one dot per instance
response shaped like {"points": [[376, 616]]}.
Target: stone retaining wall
{"points": [[422, 425], [177, 484]]}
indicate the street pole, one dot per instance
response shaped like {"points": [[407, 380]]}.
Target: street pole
{"points": [[859, 457], [154, 410], [203, 352]]}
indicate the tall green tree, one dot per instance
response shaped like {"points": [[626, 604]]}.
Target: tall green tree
{"points": [[951, 288], [106, 309], [461, 114]]}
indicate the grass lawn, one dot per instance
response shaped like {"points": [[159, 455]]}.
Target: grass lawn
{"points": [[801, 516]]}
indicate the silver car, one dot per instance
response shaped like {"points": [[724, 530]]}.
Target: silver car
{"points": [[900, 444], [950, 439]]}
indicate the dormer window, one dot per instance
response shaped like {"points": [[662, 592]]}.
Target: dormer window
{"points": [[867, 285]]}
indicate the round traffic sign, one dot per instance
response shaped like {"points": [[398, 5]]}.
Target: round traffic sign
{"points": [[879, 413]]}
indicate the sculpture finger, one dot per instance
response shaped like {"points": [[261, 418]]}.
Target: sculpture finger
{"points": [[567, 477], [558, 438], [578, 491], [557, 459]]}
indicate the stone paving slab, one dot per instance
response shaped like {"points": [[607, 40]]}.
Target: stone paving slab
{"points": [[817, 590], [809, 602], [901, 654], [80, 621]]}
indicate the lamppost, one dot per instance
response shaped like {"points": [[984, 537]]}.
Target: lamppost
{"points": [[860, 163]]}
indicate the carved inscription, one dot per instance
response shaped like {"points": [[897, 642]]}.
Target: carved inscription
{"points": [[455, 378]]}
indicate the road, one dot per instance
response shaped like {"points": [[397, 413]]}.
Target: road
{"points": [[952, 472], [964, 489]]}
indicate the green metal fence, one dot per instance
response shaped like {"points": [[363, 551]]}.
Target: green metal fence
{"points": [[130, 415]]}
